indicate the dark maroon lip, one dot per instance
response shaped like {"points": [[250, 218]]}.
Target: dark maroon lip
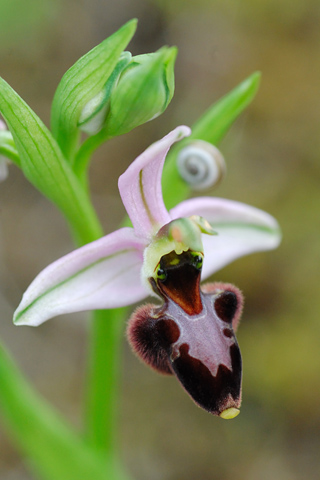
{"points": [[213, 393], [191, 334], [209, 369]]}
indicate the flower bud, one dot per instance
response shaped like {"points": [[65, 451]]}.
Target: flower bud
{"points": [[144, 90], [94, 113]]}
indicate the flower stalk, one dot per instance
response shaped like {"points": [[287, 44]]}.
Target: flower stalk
{"points": [[103, 378]]}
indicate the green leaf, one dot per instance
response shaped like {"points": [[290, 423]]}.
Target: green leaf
{"points": [[45, 167], [211, 127], [216, 121], [47, 442], [83, 81]]}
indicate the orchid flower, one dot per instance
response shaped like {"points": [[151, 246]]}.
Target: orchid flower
{"points": [[191, 332]]}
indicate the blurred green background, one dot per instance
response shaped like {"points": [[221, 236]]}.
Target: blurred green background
{"points": [[272, 153]]}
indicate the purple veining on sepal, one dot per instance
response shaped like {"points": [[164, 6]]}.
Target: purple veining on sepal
{"points": [[140, 186]]}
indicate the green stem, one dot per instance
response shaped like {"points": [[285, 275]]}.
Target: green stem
{"points": [[106, 331], [83, 156], [103, 379], [104, 349]]}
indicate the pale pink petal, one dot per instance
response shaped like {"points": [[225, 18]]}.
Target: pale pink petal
{"points": [[102, 274], [241, 229], [140, 186]]}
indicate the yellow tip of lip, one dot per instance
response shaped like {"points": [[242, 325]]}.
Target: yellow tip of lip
{"points": [[229, 413]]}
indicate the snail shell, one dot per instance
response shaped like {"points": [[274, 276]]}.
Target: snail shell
{"points": [[201, 165]]}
